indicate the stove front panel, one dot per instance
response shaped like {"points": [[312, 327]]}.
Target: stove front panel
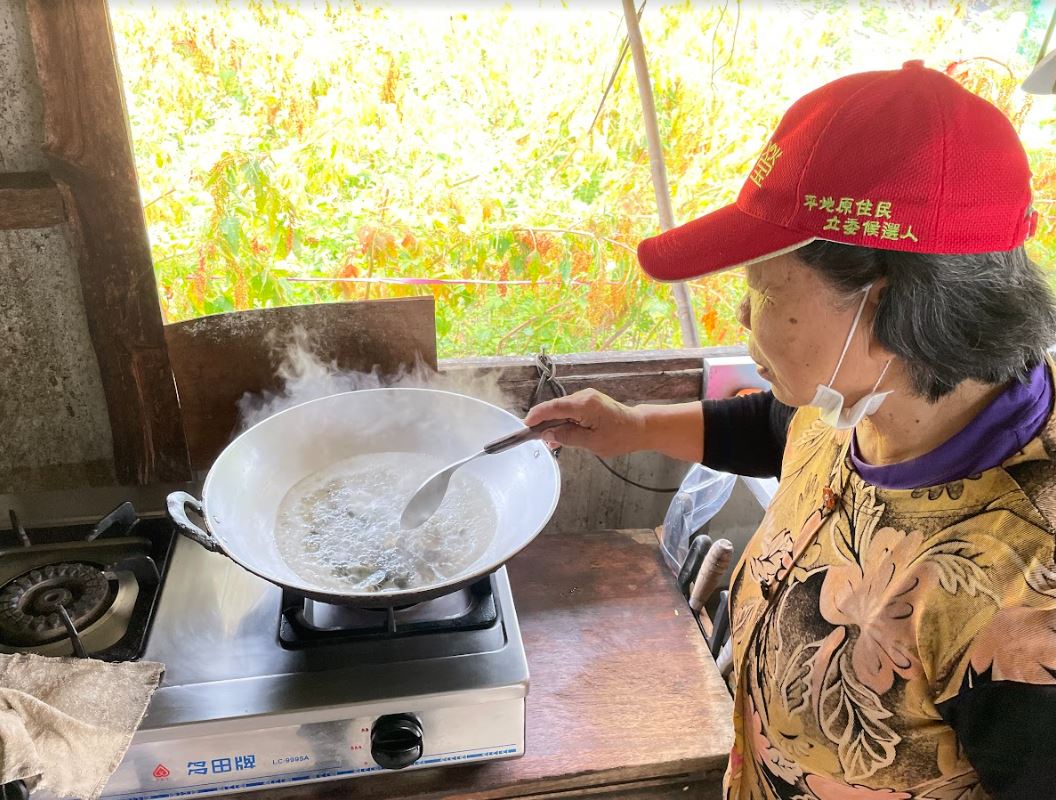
{"points": [[240, 761]]}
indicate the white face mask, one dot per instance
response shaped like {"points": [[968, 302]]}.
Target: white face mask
{"points": [[831, 402]]}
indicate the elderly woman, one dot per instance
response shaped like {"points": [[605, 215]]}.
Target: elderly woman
{"points": [[894, 617]]}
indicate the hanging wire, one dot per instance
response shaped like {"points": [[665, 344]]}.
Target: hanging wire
{"points": [[547, 370]]}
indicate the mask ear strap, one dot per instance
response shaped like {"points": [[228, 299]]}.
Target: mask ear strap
{"points": [[883, 372], [850, 335]]}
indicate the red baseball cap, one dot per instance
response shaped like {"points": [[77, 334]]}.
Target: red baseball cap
{"points": [[901, 160]]}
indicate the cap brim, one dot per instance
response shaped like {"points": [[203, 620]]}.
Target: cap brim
{"points": [[717, 241]]}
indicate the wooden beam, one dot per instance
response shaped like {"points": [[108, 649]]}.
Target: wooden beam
{"points": [[676, 386], [598, 363], [656, 376], [29, 200], [88, 145]]}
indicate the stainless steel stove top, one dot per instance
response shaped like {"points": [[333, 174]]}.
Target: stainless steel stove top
{"points": [[216, 632], [261, 688]]}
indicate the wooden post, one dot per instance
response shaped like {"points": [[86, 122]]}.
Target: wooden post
{"points": [[87, 142], [690, 336]]}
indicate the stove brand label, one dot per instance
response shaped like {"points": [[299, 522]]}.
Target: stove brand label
{"points": [[161, 772], [218, 766], [291, 759]]}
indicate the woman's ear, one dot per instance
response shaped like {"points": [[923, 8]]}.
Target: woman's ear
{"points": [[878, 352], [872, 300], [876, 293]]}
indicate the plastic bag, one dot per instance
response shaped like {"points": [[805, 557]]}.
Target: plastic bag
{"points": [[702, 493]]}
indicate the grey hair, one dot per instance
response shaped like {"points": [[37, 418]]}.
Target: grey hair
{"points": [[989, 317]]}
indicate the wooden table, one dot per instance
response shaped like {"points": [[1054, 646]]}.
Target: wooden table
{"points": [[624, 699]]}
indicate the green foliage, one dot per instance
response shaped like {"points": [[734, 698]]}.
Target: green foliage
{"points": [[297, 153]]}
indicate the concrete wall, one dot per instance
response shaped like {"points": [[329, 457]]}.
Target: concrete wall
{"points": [[21, 109], [52, 411], [594, 499]]}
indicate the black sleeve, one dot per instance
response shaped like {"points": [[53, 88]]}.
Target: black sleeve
{"points": [[1008, 732], [746, 435]]}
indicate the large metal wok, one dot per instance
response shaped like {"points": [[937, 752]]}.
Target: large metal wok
{"points": [[249, 480]]}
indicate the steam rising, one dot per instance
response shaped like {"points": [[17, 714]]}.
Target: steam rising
{"points": [[304, 376]]}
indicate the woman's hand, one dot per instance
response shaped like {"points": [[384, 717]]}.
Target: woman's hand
{"points": [[603, 426], [608, 428]]}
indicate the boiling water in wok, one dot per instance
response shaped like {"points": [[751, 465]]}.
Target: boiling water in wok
{"points": [[340, 528]]}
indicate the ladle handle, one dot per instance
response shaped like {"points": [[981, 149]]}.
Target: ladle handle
{"points": [[527, 435]]}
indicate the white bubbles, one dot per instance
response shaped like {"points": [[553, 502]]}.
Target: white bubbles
{"points": [[339, 529]]}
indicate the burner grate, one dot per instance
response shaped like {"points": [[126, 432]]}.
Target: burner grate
{"points": [[89, 589], [296, 631], [32, 605]]}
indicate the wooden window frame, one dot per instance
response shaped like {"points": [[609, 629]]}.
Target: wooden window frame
{"points": [[92, 183], [91, 170]]}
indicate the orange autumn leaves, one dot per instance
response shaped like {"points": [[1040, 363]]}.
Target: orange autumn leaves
{"points": [[290, 153]]}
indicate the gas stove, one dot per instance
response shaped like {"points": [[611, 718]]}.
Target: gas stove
{"points": [[262, 687], [82, 589]]}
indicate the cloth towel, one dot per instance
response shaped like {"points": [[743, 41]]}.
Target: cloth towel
{"points": [[65, 723]]}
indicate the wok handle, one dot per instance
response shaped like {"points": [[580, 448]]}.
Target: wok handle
{"points": [[177, 503], [526, 435]]}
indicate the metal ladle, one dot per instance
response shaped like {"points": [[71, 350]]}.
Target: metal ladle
{"points": [[427, 499]]}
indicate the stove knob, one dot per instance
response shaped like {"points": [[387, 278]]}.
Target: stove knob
{"points": [[396, 741]]}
